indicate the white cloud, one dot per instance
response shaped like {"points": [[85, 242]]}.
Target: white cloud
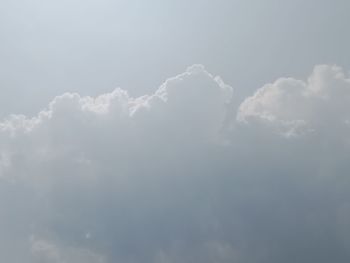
{"points": [[148, 179], [319, 104]]}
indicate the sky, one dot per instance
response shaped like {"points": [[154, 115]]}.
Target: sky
{"points": [[92, 47], [174, 131]]}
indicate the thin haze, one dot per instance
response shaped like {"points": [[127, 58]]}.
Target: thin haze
{"points": [[178, 165], [50, 47]]}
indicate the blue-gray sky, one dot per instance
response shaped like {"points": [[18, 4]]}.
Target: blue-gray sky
{"points": [[49, 47], [178, 165]]}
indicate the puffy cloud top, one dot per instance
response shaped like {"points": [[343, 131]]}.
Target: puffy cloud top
{"points": [[164, 178], [296, 106]]}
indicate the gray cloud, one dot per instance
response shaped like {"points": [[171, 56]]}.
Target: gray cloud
{"points": [[173, 177]]}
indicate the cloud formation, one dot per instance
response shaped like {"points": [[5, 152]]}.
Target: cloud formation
{"points": [[321, 103], [179, 176]]}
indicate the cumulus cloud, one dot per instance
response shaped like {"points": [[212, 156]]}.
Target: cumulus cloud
{"points": [[173, 177], [292, 106]]}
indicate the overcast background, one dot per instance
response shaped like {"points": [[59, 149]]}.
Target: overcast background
{"points": [[178, 165], [94, 46]]}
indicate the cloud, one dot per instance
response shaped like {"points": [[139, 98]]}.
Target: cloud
{"points": [[294, 106], [44, 251], [173, 177]]}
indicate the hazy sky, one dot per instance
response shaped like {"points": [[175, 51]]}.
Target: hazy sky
{"points": [[50, 47], [174, 131]]}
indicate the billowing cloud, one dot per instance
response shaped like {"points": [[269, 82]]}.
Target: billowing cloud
{"points": [[319, 104], [176, 177]]}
